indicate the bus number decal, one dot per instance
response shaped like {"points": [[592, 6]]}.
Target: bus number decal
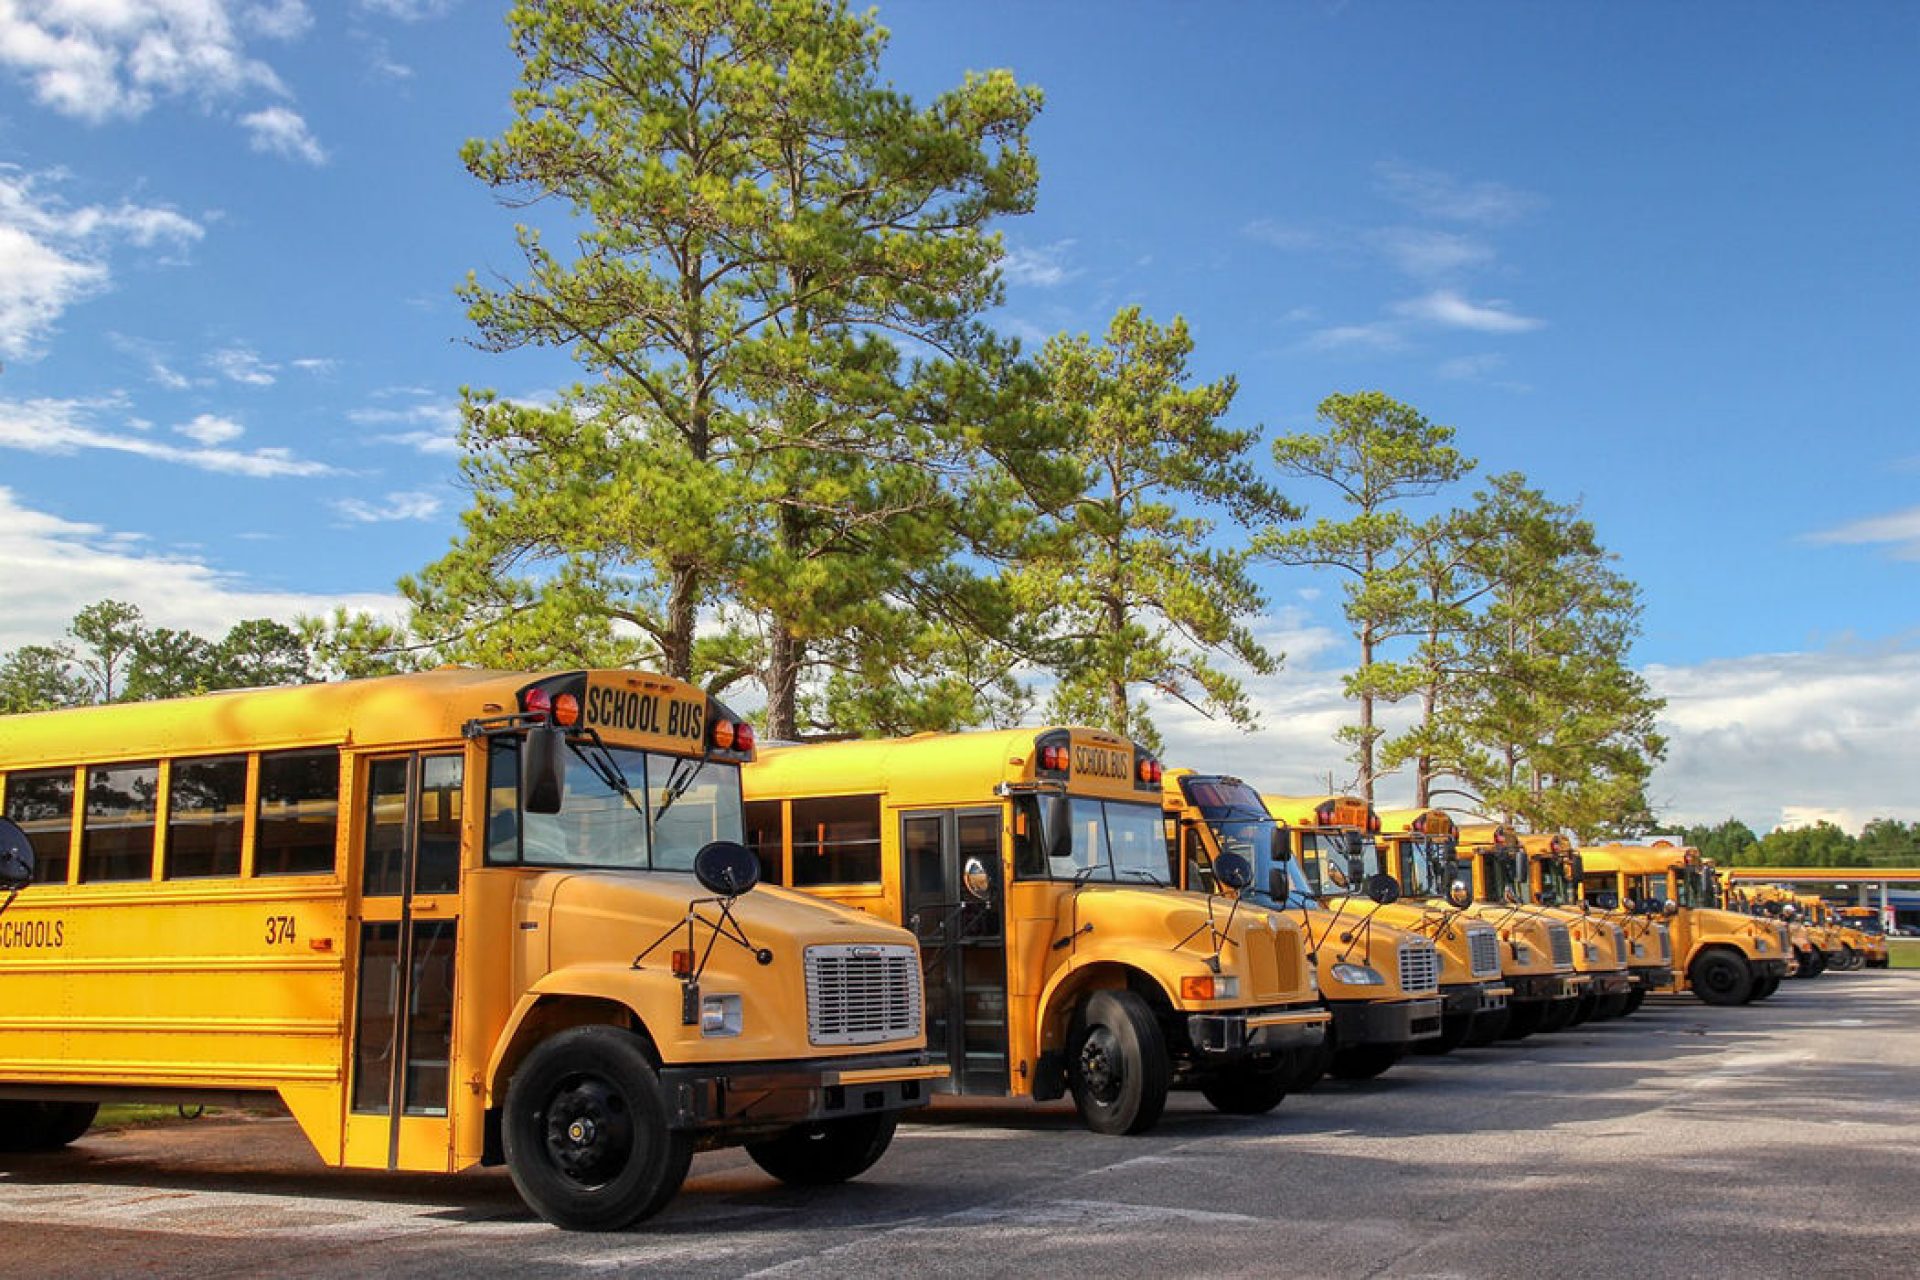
{"points": [[279, 929]]}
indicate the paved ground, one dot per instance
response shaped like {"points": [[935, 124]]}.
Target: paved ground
{"points": [[1778, 1139]]}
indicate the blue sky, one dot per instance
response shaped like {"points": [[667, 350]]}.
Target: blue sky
{"points": [[1657, 257]]}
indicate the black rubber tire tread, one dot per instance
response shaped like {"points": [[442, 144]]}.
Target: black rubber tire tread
{"points": [[1585, 1009], [1365, 1061], [1721, 978], [1762, 988], [1488, 1030], [43, 1126], [1558, 1015], [1249, 1088], [1310, 1066], [1453, 1033], [656, 1161], [1635, 998], [826, 1151], [1145, 1073], [1523, 1019], [1617, 1005]]}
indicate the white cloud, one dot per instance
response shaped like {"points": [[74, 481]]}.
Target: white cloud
{"points": [[1441, 195], [1900, 529], [241, 364], [1039, 267], [398, 506], [1379, 336], [55, 255], [1448, 309], [279, 19], [1426, 253], [281, 131], [56, 567], [316, 365], [407, 10], [210, 430], [1471, 368], [437, 426], [67, 426], [98, 59]]}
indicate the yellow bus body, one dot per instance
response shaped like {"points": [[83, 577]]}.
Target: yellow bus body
{"points": [[361, 936], [943, 832], [1600, 946], [1541, 954]]}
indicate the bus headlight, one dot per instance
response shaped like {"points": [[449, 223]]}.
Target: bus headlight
{"points": [[1358, 975], [720, 1015], [1759, 944]]}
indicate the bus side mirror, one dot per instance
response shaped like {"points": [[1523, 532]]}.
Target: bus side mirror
{"points": [[16, 857], [1233, 870], [1277, 886], [1460, 895], [1605, 901], [1511, 898], [1670, 908], [726, 867], [542, 771], [1383, 889], [1281, 850], [1056, 826]]}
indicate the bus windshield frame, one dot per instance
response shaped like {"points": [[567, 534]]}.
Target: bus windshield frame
{"points": [[1113, 841], [1239, 823], [1428, 867], [1503, 873]]}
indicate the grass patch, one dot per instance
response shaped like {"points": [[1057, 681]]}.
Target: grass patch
{"points": [[1903, 953], [142, 1115]]}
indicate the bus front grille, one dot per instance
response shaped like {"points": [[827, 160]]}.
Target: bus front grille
{"points": [[1483, 948], [1562, 942], [862, 994], [1666, 943], [1419, 966], [1619, 945]]}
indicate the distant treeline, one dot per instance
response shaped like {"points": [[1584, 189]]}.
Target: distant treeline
{"points": [[1883, 842]]}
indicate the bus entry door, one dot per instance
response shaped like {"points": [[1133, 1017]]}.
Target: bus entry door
{"points": [[956, 908], [400, 1085]]}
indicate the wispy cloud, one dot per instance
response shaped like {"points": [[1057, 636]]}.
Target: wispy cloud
{"points": [[1471, 368], [1898, 529], [1450, 310], [1427, 254], [1038, 266], [407, 10], [241, 364], [435, 427], [1382, 335], [278, 19], [210, 430], [69, 426], [1281, 235], [1434, 193], [282, 131], [56, 567], [56, 254], [396, 506]]}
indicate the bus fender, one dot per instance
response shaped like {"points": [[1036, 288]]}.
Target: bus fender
{"points": [[611, 994], [1094, 968]]}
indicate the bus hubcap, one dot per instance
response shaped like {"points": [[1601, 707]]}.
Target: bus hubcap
{"points": [[1100, 1065], [589, 1131]]}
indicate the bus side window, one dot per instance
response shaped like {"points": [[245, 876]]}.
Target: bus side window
{"points": [[765, 838], [117, 830], [299, 813], [206, 817], [1199, 868], [41, 801], [836, 840], [503, 800]]}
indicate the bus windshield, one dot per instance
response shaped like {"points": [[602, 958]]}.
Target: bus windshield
{"points": [[1501, 875], [1116, 840], [1556, 884], [1355, 856], [1427, 867], [1649, 889], [677, 805], [1692, 891]]}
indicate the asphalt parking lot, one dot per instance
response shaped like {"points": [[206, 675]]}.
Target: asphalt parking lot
{"points": [[1776, 1139]]}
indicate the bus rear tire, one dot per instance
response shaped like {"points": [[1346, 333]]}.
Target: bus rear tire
{"points": [[1117, 1063], [43, 1126], [1365, 1061], [1453, 1033], [585, 1132], [1488, 1027], [1558, 1015], [1523, 1019], [826, 1151], [1249, 1088], [1721, 978]]}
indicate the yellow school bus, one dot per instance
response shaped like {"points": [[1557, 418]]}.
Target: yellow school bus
{"points": [[455, 918], [1549, 880], [1869, 928], [1721, 956], [1379, 983], [1032, 866], [1772, 902], [1646, 940], [1840, 945], [1539, 962], [1417, 848]]}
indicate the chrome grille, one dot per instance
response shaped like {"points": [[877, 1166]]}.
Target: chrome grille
{"points": [[1666, 943], [1619, 945], [1562, 943], [862, 994], [1419, 965], [1483, 949]]}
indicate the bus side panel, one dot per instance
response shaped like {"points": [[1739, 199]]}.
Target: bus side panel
{"points": [[176, 986], [496, 954]]}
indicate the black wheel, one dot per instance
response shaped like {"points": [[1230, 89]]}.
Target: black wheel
{"points": [[1809, 964], [585, 1132], [1635, 998], [43, 1126], [1818, 964], [1523, 1019], [1721, 977], [1454, 1028], [1615, 1005], [1364, 1061], [1488, 1027], [1763, 987], [1558, 1015], [826, 1152], [1249, 1088], [1117, 1063], [1310, 1065], [1586, 1008], [1855, 961]]}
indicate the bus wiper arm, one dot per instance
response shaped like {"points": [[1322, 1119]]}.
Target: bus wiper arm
{"points": [[1146, 875], [607, 769], [679, 782]]}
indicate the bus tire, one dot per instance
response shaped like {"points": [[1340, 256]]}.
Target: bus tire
{"points": [[585, 1131], [1615, 1004], [1635, 998], [43, 1126], [1453, 1033], [1721, 978], [1365, 1061], [1558, 1015], [1486, 1028], [1586, 1008], [1763, 987], [1523, 1019], [1249, 1088], [826, 1151], [1117, 1063]]}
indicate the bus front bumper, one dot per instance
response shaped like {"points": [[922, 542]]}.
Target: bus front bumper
{"points": [[1386, 1021], [1611, 982], [1651, 979], [1546, 986], [1257, 1031], [1465, 999], [749, 1095]]}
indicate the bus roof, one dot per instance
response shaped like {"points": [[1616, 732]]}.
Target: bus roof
{"points": [[1482, 834], [1632, 859], [1396, 822], [421, 706], [1546, 843], [930, 766]]}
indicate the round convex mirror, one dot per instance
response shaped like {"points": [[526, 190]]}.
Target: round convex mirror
{"points": [[1233, 870], [976, 879], [726, 867], [16, 856], [1383, 888], [1459, 894]]}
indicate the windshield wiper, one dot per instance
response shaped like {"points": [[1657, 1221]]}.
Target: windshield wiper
{"points": [[679, 782], [1146, 875], [608, 770]]}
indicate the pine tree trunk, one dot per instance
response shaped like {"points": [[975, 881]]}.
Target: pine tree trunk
{"points": [[783, 683]]}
